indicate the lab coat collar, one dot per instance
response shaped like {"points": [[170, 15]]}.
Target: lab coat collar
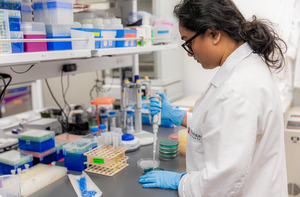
{"points": [[238, 55]]}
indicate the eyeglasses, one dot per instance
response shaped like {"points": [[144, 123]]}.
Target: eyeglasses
{"points": [[186, 44]]}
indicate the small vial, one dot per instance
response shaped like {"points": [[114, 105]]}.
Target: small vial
{"points": [[104, 120], [112, 120], [129, 122], [94, 131], [102, 128]]}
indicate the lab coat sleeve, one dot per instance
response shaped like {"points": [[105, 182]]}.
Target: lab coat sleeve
{"points": [[189, 116], [228, 140]]}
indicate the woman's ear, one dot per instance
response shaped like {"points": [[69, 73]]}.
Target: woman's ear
{"points": [[215, 35]]}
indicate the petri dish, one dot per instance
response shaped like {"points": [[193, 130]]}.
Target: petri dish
{"points": [[168, 153], [167, 157], [173, 136], [168, 149], [147, 163], [151, 169], [168, 144]]}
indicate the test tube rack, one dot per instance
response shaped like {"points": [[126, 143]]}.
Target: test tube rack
{"points": [[39, 176], [106, 160]]}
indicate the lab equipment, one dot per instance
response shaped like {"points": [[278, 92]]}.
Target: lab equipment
{"points": [[94, 131], [130, 142], [182, 136], [161, 179], [5, 47], [147, 163], [78, 120], [67, 137], [74, 153], [126, 33], [292, 145], [26, 11], [129, 120], [58, 32], [14, 18], [168, 149], [112, 120], [55, 12], [84, 186], [169, 112], [106, 160], [12, 160], [36, 140], [104, 120], [51, 124], [102, 128], [45, 157], [59, 153], [17, 47], [34, 30], [156, 123], [40, 176], [10, 186]]}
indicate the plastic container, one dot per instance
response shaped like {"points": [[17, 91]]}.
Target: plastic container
{"points": [[112, 120], [5, 47], [10, 186], [59, 153], [11, 4], [17, 47], [53, 12], [102, 128], [67, 137], [162, 29], [126, 33], [11, 160], [33, 30], [130, 142], [104, 119], [14, 17], [73, 153], [36, 140], [45, 157], [26, 12], [56, 32], [130, 121]]}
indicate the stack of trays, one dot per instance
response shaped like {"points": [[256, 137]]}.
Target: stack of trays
{"points": [[182, 135], [168, 149], [38, 143], [12, 160]]}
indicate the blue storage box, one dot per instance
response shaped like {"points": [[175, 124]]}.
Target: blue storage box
{"points": [[11, 4], [17, 47], [12, 160], [36, 140], [59, 152], [58, 32], [14, 18], [73, 152], [44, 157], [126, 33]]}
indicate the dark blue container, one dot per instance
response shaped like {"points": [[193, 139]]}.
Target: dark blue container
{"points": [[40, 147], [54, 46], [6, 169]]}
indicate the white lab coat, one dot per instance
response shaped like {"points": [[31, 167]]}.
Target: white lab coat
{"points": [[235, 145]]}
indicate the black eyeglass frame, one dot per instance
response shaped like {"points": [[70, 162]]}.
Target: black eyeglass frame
{"points": [[187, 47]]}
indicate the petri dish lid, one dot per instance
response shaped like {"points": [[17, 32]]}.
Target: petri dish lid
{"points": [[147, 163], [168, 143], [173, 136]]}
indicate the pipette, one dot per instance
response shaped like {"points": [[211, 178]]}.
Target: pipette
{"points": [[155, 124]]}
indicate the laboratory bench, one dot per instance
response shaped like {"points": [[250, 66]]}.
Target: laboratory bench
{"points": [[124, 183]]}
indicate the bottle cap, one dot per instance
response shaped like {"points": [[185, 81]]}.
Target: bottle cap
{"points": [[129, 112], [104, 116], [112, 113], [102, 126], [94, 129], [127, 137]]}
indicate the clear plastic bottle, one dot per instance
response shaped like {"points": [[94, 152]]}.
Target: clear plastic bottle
{"points": [[102, 128], [112, 120], [129, 121], [104, 119]]}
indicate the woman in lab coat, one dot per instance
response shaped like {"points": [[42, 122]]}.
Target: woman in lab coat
{"points": [[235, 143]]}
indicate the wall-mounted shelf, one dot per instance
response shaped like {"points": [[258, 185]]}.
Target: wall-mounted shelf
{"points": [[132, 50], [36, 57]]}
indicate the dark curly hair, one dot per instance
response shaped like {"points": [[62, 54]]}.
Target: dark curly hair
{"points": [[200, 15]]}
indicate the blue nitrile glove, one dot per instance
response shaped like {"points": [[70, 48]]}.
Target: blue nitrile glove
{"points": [[169, 112], [161, 179]]}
